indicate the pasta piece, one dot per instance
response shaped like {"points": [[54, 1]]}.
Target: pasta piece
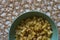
{"points": [[34, 22], [49, 28], [48, 39], [44, 26], [49, 33], [42, 33], [39, 38]]}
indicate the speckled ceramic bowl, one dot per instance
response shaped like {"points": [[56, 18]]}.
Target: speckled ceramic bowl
{"points": [[31, 14]]}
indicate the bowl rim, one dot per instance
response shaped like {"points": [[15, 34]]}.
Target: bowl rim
{"points": [[31, 11]]}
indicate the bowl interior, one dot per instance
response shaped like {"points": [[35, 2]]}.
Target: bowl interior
{"points": [[31, 14]]}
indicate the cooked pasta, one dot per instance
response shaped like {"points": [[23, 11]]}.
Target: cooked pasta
{"points": [[34, 29]]}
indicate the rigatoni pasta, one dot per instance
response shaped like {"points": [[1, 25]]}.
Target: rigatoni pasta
{"points": [[35, 28]]}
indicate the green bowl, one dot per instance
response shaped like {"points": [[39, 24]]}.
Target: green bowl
{"points": [[31, 14]]}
